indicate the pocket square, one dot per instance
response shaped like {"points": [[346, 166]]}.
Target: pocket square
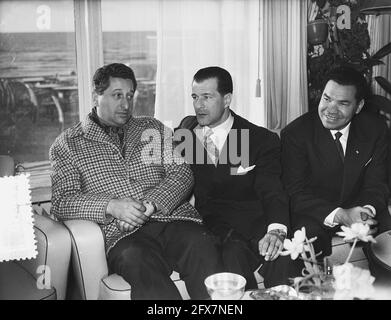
{"points": [[241, 170], [368, 162]]}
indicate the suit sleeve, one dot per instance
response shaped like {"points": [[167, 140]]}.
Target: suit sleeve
{"points": [[268, 184], [68, 201], [178, 180], [296, 178], [374, 190]]}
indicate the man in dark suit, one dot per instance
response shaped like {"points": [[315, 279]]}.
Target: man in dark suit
{"points": [[334, 162], [238, 191]]}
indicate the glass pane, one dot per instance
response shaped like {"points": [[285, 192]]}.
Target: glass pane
{"points": [[129, 37], [38, 79]]}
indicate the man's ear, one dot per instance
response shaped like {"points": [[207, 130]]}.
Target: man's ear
{"points": [[95, 99], [360, 106], [227, 100]]}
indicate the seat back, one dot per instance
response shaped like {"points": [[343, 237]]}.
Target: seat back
{"points": [[7, 166]]}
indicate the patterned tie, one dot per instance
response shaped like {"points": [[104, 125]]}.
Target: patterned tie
{"points": [[339, 145], [210, 147]]}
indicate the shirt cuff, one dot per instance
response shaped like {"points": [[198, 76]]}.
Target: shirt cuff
{"points": [[329, 221], [274, 226], [372, 208]]}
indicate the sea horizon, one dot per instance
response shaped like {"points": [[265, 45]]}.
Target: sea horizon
{"points": [[34, 54]]}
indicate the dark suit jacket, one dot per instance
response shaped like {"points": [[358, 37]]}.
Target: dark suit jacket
{"points": [[316, 179], [246, 202]]}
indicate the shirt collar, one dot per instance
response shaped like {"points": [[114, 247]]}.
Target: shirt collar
{"points": [[222, 127], [344, 132], [220, 132]]}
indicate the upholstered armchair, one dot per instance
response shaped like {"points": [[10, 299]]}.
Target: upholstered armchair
{"points": [[90, 272], [19, 280], [89, 266]]}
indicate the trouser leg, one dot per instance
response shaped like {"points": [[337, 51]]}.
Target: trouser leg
{"points": [[278, 271], [139, 259], [192, 251], [239, 258], [322, 244]]}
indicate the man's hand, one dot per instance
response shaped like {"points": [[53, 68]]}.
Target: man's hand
{"points": [[128, 210], [124, 227], [149, 208], [271, 245], [347, 217]]}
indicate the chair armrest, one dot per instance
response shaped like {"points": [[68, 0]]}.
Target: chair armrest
{"points": [[54, 251], [88, 256]]}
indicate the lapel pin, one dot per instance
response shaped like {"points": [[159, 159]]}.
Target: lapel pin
{"points": [[357, 152]]}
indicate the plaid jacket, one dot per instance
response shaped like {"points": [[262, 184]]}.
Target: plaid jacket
{"points": [[90, 169]]}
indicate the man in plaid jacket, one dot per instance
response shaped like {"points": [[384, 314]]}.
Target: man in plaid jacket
{"points": [[121, 172]]}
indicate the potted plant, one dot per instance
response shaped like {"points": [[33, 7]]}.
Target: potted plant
{"points": [[317, 31], [346, 47], [318, 25], [378, 103]]}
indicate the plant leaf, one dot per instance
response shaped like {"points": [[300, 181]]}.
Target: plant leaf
{"points": [[384, 83], [382, 52], [370, 62], [377, 102]]}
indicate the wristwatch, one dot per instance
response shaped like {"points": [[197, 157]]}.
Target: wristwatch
{"points": [[279, 232]]}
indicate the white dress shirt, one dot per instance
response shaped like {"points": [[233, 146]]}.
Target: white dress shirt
{"points": [[329, 220], [220, 134]]}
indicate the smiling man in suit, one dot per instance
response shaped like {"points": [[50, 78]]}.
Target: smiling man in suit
{"points": [[238, 191], [334, 162]]}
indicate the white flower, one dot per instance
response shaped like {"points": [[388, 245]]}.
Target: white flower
{"points": [[358, 231], [295, 246], [352, 282]]}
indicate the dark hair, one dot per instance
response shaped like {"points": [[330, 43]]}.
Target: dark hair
{"points": [[224, 79], [101, 79], [347, 76]]}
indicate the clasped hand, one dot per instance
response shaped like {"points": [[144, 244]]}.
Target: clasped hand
{"points": [[129, 212]]}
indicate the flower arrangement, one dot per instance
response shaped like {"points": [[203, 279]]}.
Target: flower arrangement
{"points": [[346, 280]]}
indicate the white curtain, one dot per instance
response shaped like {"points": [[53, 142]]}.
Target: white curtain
{"points": [[196, 34], [284, 53], [379, 28]]}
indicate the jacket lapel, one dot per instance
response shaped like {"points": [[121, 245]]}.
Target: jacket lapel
{"points": [[324, 145], [234, 157], [95, 133], [133, 135], [133, 132], [357, 152]]}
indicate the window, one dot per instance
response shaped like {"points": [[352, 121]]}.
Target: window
{"points": [[38, 76], [129, 37], [164, 41]]}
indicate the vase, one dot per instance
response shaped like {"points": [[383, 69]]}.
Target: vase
{"points": [[324, 291], [317, 31]]}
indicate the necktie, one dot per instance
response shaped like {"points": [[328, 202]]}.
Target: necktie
{"points": [[210, 147], [339, 145]]}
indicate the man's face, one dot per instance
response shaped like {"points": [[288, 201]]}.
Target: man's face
{"points": [[210, 106], [338, 105], [115, 105]]}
